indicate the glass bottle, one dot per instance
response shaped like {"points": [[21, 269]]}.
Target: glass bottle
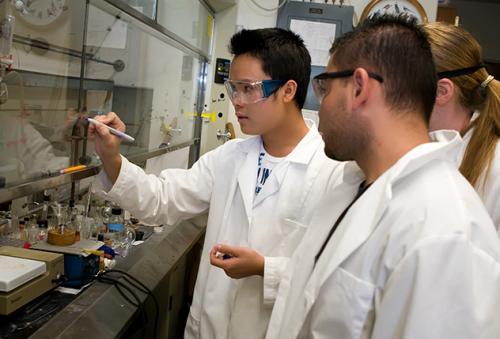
{"points": [[14, 226], [32, 229], [43, 226], [45, 207], [23, 234], [116, 229]]}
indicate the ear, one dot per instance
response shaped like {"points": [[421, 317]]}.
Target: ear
{"points": [[445, 91], [361, 87], [289, 89]]}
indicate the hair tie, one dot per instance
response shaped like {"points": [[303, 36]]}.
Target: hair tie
{"points": [[486, 82]]}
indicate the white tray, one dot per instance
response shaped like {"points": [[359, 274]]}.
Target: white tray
{"points": [[16, 271], [77, 248]]}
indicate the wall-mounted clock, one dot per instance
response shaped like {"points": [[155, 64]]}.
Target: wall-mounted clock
{"points": [[40, 12], [410, 7]]}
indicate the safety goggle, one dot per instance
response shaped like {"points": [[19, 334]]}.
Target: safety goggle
{"points": [[321, 85], [459, 72], [251, 92]]}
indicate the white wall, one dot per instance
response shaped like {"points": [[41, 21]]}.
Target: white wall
{"points": [[225, 27], [251, 17]]}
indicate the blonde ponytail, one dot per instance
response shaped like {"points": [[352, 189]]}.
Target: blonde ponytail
{"points": [[454, 48], [481, 148]]}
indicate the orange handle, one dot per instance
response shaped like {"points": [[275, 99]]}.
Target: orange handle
{"points": [[72, 169]]}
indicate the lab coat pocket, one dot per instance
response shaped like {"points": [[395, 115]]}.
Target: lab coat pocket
{"points": [[292, 233], [343, 306]]}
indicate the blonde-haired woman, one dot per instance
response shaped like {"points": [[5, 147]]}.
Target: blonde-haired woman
{"points": [[468, 100]]}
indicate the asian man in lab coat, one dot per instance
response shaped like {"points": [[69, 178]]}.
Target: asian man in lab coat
{"points": [[260, 192], [403, 248]]}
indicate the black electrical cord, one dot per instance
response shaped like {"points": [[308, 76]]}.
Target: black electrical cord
{"points": [[143, 288], [119, 285], [134, 282]]}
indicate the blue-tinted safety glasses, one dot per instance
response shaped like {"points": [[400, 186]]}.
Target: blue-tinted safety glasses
{"points": [[250, 92]]}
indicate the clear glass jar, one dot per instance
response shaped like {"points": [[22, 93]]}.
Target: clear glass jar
{"points": [[23, 233], [32, 229], [116, 232], [43, 226]]}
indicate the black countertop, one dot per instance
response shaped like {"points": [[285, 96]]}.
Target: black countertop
{"points": [[101, 311]]}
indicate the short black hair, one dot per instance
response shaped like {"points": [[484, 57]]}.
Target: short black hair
{"points": [[282, 53], [396, 48]]}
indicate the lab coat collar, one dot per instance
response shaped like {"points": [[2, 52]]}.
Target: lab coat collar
{"points": [[351, 173], [247, 145], [302, 153], [468, 135], [444, 145]]}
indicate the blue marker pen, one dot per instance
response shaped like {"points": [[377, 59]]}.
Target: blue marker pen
{"points": [[116, 132]]}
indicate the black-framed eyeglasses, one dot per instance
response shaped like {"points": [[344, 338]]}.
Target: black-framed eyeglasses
{"points": [[320, 85]]}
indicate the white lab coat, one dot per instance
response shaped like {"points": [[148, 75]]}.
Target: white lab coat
{"points": [[488, 186], [416, 256], [273, 224]]}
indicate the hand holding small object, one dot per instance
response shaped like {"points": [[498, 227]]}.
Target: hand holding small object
{"points": [[237, 262]]}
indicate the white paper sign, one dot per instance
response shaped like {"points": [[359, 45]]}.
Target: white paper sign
{"points": [[318, 37]]}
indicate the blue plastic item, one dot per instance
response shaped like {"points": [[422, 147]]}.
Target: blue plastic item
{"points": [[80, 270]]}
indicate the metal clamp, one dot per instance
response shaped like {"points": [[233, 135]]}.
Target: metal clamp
{"points": [[223, 135]]}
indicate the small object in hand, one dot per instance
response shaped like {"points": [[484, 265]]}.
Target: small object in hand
{"points": [[224, 256], [112, 130]]}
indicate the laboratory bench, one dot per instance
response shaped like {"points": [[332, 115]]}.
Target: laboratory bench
{"points": [[166, 263]]}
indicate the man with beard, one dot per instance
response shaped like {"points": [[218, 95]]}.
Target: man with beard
{"points": [[403, 247]]}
